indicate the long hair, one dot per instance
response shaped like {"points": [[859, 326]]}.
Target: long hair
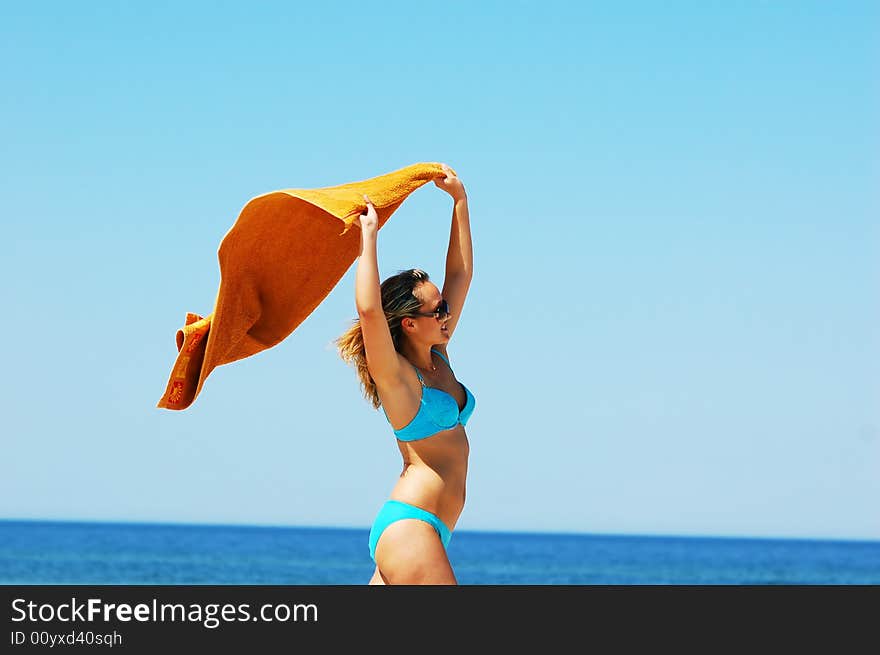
{"points": [[398, 301]]}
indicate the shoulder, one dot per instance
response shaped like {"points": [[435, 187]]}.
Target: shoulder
{"points": [[441, 348]]}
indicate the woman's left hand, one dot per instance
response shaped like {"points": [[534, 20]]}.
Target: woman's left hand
{"points": [[450, 183]]}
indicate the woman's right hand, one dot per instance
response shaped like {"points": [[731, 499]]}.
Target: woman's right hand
{"points": [[369, 220]]}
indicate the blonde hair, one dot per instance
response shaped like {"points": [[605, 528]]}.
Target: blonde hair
{"points": [[398, 301]]}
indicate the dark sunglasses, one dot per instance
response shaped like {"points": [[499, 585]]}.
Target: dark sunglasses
{"points": [[441, 313]]}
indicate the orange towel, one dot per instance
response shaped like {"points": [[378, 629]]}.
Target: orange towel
{"points": [[279, 260]]}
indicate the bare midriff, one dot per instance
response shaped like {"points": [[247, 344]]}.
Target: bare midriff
{"points": [[434, 472]]}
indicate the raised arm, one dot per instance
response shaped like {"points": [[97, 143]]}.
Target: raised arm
{"points": [[382, 360], [460, 255]]}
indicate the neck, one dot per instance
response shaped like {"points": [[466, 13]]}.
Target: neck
{"points": [[420, 356]]}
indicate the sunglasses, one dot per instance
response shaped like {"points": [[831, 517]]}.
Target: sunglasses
{"points": [[441, 313]]}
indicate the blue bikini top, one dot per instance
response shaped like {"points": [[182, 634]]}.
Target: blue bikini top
{"points": [[438, 411]]}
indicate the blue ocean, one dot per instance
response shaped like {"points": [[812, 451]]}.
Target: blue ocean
{"points": [[38, 553]]}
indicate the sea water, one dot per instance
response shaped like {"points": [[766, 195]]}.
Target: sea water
{"points": [[42, 552]]}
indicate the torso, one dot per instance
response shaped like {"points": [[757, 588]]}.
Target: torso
{"points": [[434, 468]]}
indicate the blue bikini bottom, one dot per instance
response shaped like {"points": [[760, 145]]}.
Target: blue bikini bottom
{"points": [[395, 510]]}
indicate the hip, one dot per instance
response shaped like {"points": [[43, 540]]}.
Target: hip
{"points": [[442, 494]]}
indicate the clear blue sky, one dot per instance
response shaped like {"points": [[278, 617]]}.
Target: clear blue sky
{"points": [[673, 325]]}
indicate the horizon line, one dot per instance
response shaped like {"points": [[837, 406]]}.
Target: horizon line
{"points": [[211, 524]]}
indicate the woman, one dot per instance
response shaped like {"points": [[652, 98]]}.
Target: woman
{"points": [[398, 345]]}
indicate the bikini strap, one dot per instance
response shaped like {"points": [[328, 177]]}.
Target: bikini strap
{"points": [[419, 374], [443, 357]]}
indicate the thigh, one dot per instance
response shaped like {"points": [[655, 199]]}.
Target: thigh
{"points": [[410, 552], [377, 578]]}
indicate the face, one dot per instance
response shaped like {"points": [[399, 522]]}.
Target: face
{"points": [[428, 328]]}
